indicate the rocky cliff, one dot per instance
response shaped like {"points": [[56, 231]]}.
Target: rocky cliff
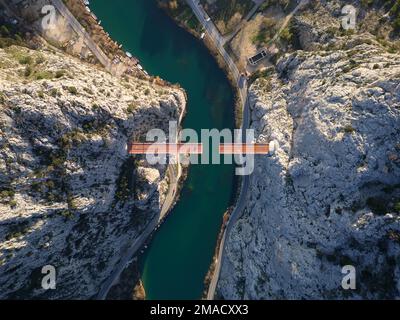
{"points": [[330, 196], [69, 194]]}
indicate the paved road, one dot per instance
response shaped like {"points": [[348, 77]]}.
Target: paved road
{"points": [[77, 27], [175, 173]]}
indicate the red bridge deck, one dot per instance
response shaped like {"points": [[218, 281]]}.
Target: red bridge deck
{"points": [[196, 148], [165, 148]]}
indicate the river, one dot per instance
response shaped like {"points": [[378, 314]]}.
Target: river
{"points": [[179, 255]]}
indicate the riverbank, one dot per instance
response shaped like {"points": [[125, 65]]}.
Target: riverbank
{"points": [[130, 275], [128, 264]]}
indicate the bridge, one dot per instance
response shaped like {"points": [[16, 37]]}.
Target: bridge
{"points": [[195, 148]]}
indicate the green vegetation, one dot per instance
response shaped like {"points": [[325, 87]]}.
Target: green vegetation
{"points": [[349, 129], [54, 92], [4, 31], [18, 230], [351, 65], [367, 3], [265, 33], [122, 193], [377, 205], [227, 14], [40, 59], [88, 90], [32, 64], [392, 5], [284, 4], [67, 214], [395, 11], [397, 206], [72, 90], [286, 35], [52, 186], [40, 75], [9, 37], [131, 108], [263, 74], [7, 196], [25, 60], [60, 73], [71, 202], [124, 183], [179, 10], [74, 137], [28, 71], [2, 97], [12, 203]]}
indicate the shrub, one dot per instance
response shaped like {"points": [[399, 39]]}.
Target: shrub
{"points": [[28, 71], [66, 214], [72, 90], [131, 108], [17, 109], [366, 3], [25, 60], [12, 203], [60, 73], [7, 197], [396, 24], [377, 205], [88, 90], [4, 31], [349, 129], [397, 206], [286, 35], [40, 59], [43, 75], [18, 38], [6, 194], [54, 92]]}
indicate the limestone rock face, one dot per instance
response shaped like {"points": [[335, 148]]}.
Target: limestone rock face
{"points": [[330, 196], [68, 190]]}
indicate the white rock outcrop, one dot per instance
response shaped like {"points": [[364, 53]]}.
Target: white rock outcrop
{"points": [[330, 195], [68, 193]]}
